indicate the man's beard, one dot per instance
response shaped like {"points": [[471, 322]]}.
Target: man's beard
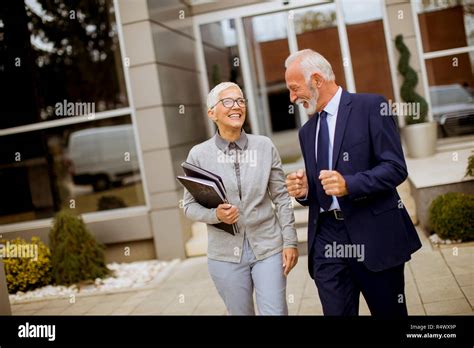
{"points": [[312, 102]]}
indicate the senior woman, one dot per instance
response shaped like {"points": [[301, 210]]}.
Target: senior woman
{"points": [[264, 250]]}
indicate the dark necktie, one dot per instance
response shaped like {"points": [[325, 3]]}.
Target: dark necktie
{"points": [[323, 159]]}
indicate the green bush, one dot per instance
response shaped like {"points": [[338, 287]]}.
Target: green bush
{"points": [[470, 166], [110, 202], [76, 255], [451, 216], [27, 264]]}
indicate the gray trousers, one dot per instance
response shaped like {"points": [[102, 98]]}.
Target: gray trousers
{"points": [[235, 283]]}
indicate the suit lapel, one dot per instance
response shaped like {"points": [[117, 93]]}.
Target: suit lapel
{"points": [[341, 122]]}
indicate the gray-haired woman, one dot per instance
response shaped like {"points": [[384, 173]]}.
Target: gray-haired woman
{"points": [[264, 251]]}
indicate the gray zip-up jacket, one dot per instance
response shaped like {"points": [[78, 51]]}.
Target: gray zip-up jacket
{"points": [[262, 182]]}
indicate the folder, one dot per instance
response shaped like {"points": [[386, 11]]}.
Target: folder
{"points": [[207, 189], [197, 172]]}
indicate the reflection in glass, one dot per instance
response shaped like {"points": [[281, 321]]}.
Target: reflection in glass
{"points": [[369, 57], [59, 52], [316, 28], [221, 55], [87, 166], [267, 44], [451, 83], [445, 24]]}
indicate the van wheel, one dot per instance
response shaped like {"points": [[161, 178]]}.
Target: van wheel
{"points": [[101, 183]]}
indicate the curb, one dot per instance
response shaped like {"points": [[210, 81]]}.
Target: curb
{"points": [[154, 283]]}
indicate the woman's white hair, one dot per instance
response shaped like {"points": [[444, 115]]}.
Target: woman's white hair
{"points": [[213, 96], [311, 62]]}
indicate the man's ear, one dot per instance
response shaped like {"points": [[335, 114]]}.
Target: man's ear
{"points": [[211, 114], [316, 80]]}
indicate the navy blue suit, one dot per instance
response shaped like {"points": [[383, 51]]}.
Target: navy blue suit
{"points": [[367, 152]]}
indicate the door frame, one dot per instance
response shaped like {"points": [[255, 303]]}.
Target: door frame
{"points": [[237, 14]]}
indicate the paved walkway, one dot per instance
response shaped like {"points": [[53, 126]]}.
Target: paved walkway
{"points": [[439, 281]]}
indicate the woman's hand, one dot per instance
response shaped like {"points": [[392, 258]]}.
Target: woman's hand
{"points": [[290, 259], [227, 213]]}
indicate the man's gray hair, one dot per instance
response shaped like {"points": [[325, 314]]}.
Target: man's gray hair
{"points": [[311, 62], [213, 96]]}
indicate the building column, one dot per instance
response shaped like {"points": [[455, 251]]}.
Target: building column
{"points": [[159, 50], [401, 21], [4, 299]]}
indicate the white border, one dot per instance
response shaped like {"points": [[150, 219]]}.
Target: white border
{"points": [[65, 121], [112, 214], [247, 75], [253, 10], [391, 58], [344, 45], [419, 46], [126, 72], [448, 52], [203, 81]]}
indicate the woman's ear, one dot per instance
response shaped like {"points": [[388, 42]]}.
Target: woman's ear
{"points": [[211, 114]]}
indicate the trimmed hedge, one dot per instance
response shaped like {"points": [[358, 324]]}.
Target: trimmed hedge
{"points": [[451, 216]]}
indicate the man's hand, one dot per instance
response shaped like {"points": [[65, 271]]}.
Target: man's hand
{"points": [[297, 184], [227, 213], [333, 183], [290, 259]]}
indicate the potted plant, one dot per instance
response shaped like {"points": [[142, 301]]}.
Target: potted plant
{"points": [[419, 135]]}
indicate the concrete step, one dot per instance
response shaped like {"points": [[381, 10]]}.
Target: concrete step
{"points": [[199, 230], [197, 245], [301, 217]]}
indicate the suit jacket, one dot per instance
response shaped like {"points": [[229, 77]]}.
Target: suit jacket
{"points": [[367, 152]]}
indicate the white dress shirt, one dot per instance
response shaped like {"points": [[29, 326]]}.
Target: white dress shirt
{"points": [[331, 108]]}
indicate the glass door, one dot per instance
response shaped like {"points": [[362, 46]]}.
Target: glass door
{"points": [[270, 38], [249, 46]]}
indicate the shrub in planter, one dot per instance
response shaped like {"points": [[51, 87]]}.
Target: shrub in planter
{"points": [[451, 216], [410, 80], [110, 202], [27, 264], [76, 255]]}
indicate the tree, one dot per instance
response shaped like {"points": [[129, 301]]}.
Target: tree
{"points": [[76, 255]]}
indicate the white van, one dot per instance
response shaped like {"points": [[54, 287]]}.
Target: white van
{"points": [[102, 156]]}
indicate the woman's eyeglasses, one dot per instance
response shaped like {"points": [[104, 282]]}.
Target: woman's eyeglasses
{"points": [[229, 102]]}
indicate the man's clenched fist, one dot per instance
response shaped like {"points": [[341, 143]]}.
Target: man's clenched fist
{"points": [[297, 184], [333, 183]]}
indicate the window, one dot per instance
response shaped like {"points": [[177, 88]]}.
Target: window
{"points": [[447, 35], [366, 35], [88, 166], [56, 52], [66, 135]]}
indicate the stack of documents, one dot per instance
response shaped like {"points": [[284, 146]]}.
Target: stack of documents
{"points": [[207, 189]]}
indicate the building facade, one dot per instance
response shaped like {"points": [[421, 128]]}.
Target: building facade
{"points": [[104, 100]]}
